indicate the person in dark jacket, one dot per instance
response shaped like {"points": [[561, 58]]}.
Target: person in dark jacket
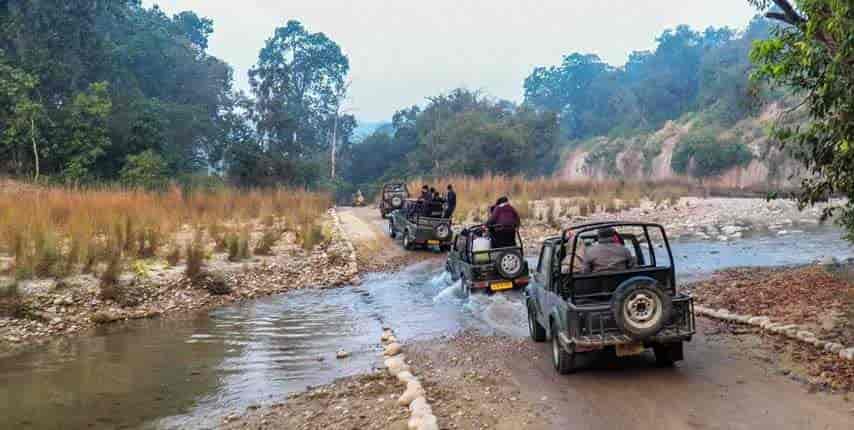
{"points": [[425, 193], [450, 202], [502, 223]]}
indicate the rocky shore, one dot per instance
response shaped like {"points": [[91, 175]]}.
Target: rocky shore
{"points": [[48, 308], [720, 219]]}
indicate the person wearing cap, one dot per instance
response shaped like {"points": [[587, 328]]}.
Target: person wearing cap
{"points": [[607, 254]]}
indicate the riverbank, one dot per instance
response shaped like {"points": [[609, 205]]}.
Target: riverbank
{"points": [[47, 308], [817, 299]]}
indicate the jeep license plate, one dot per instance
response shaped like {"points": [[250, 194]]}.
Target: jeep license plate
{"points": [[432, 242], [627, 349], [499, 286]]}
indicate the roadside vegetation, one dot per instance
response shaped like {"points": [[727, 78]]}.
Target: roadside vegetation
{"points": [[476, 194], [57, 231]]}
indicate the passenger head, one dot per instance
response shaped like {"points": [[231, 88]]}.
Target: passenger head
{"points": [[425, 188], [606, 234], [450, 187]]}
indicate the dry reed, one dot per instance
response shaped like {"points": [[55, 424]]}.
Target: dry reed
{"points": [[56, 231]]}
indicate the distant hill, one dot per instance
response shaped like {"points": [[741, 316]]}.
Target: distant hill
{"points": [[366, 128]]}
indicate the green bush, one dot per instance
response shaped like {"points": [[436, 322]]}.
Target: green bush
{"points": [[145, 170], [703, 154]]}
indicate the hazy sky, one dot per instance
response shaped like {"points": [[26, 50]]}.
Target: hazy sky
{"points": [[403, 51]]}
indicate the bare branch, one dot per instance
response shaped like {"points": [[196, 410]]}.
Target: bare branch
{"points": [[790, 11]]}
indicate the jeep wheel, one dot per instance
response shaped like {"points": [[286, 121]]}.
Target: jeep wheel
{"points": [[536, 330], [509, 264], [391, 232], [407, 242], [563, 360], [641, 308]]}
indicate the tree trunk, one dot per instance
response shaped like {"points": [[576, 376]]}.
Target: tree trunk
{"points": [[35, 147], [334, 143]]}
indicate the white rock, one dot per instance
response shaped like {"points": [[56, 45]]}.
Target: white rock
{"points": [[730, 230], [392, 349], [758, 321], [419, 407], [847, 353], [413, 391], [428, 422], [342, 354], [833, 347], [804, 335], [743, 319], [396, 365], [406, 377]]}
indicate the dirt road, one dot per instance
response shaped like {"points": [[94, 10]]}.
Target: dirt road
{"points": [[724, 383], [375, 250]]}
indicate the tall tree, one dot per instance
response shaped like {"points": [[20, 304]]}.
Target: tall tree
{"points": [[298, 82], [813, 54]]}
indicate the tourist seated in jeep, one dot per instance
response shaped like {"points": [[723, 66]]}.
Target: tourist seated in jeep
{"points": [[608, 253], [625, 307], [480, 266]]}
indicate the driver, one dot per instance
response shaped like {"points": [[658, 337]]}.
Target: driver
{"points": [[608, 254], [576, 262]]}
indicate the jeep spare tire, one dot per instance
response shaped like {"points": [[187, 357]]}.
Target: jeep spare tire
{"points": [[641, 308], [396, 201], [442, 231], [509, 264]]}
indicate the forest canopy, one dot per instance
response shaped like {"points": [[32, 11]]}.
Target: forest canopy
{"points": [[117, 92]]}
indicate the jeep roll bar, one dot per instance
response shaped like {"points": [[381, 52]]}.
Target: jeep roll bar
{"points": [[580, 229]]}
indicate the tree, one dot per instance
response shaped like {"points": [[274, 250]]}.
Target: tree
{"points": [[812, 54], [298, 82], [19, 115], [164, 91], [85, 133]]}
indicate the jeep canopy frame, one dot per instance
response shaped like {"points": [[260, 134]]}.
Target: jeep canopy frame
{"points": [[567, 281]]}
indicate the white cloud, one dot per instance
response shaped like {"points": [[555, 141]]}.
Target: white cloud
{"points": [[403, 51]]}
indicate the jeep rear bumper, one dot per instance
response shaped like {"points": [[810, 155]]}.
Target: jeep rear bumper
{"points": [[593, 327]]}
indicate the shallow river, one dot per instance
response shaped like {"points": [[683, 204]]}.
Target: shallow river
{"points": [[188, 373]]}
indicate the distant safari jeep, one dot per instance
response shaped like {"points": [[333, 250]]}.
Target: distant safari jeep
{"points": [[392, 197], [421, 224], [486, 269], [626, 309]]}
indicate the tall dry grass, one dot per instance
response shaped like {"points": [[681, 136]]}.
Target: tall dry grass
{"points": [[475, 195], [60, 231]]}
